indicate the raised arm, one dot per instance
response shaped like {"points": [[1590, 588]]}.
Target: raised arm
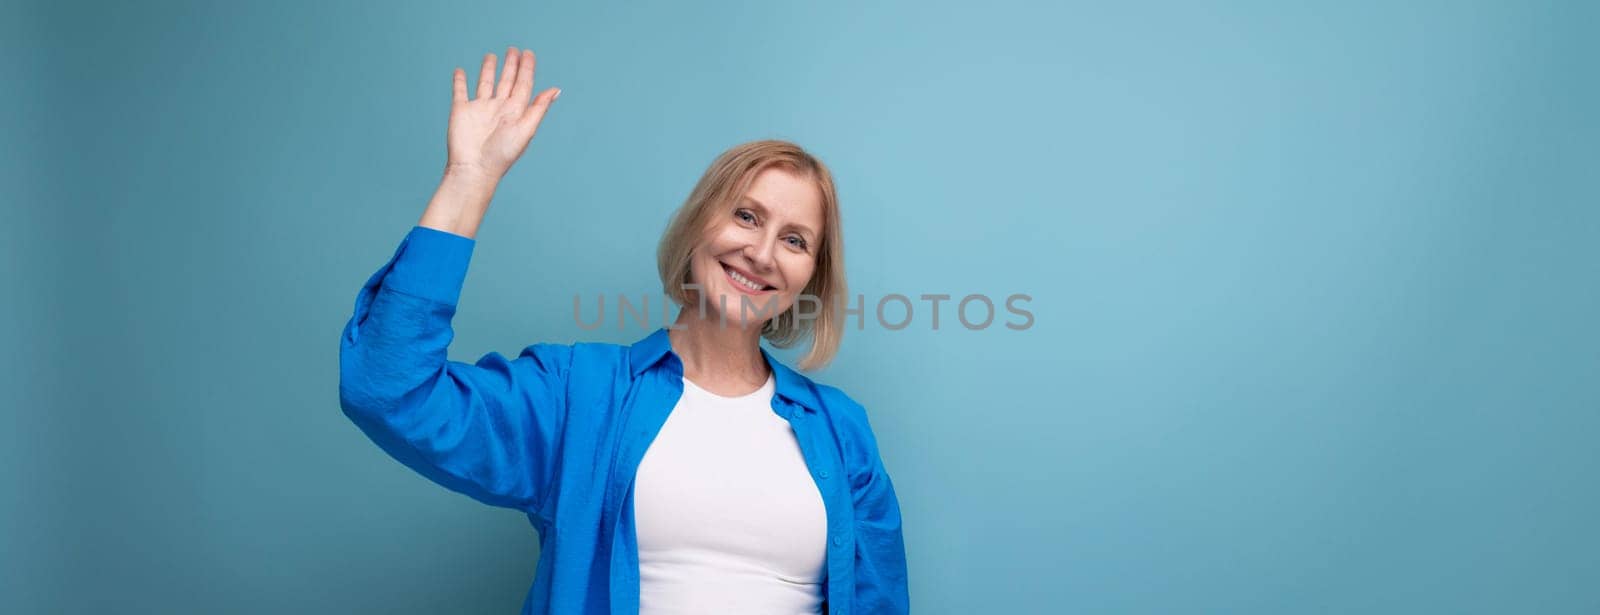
{"points": [[486, 429]]}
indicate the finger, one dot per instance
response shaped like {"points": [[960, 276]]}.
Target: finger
{"points": [[535, 114], [486, 76], [524, 87], [458, 86], [508, 74]]}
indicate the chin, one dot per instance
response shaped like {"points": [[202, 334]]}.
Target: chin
{"points": [[731, 314]]}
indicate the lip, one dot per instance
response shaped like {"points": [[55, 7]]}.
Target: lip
{"points": [[740, 287]]}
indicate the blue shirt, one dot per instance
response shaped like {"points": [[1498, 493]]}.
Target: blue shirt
{"points": [[559, 433]]}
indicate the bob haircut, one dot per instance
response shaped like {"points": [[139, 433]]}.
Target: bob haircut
{"points": [[716, 195]]}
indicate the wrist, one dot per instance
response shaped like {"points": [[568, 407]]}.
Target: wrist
{"points": [[459, 204], [468, 175]]}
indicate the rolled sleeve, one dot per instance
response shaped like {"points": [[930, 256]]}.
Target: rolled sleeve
{"points": [[431, 264]]}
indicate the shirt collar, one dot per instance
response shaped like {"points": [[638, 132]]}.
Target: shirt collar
{"points": [[790, 385]]}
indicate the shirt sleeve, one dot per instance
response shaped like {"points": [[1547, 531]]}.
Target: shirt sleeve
{"points": [[484, 429], [880, 570]]}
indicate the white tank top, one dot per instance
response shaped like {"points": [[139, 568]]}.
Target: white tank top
{"points": [[727, 515]]}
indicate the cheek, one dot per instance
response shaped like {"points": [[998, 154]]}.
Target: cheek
{"points": [[702, 269], [719, 238], [800, 271]]}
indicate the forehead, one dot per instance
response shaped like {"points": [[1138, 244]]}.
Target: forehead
{"points": [[788, 196]]}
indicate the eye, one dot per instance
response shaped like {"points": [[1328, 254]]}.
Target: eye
{"points": [[744, 214], [799, 242]]}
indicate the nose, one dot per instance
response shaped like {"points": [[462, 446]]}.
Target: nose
{"points": [[760, 255]]}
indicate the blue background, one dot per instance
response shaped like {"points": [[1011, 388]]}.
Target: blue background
{"points": [[1315, 288]]}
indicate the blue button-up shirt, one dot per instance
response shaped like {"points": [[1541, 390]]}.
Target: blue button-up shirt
{"points": [[559, 433]]}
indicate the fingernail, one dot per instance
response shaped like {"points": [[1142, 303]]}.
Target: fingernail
{"points": [[557, 94]]}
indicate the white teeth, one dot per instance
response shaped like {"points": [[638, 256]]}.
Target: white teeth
{"points": [[745, 281]]}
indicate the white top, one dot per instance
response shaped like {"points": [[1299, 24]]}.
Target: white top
{"points": [[729, 519]]}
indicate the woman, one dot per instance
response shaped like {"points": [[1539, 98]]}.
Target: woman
{"points": [[688, 472]]}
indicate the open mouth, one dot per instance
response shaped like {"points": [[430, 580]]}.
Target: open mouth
{"points": [[745, 284]]}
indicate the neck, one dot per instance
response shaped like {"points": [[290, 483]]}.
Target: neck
{"points": [[714, 352]]}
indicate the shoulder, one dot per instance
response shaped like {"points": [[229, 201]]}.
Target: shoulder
{"points": [[849, 416], [579, 351], [599, 353], [594, 376], [837, 402], [578, 360]]}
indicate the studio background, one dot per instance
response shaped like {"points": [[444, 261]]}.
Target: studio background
{"points": [[1314, 288]]}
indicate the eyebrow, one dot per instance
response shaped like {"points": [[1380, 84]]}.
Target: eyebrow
{"points": [[763, 209]]}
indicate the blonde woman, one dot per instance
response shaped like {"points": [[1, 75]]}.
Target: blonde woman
{"points": [[689, 472]]}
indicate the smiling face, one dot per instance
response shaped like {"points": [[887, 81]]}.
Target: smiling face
{"points": [[763, 250]]}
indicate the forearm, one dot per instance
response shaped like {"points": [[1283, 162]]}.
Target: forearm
{"points": [[458, 206]]}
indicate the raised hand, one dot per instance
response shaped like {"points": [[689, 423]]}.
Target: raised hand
{"points": [[489, 133]]}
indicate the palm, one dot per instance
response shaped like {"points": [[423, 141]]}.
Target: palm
{"points": [[489, 132]]}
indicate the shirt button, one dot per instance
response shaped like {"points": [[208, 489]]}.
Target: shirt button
{"points": [[823, 474], [838, 541]]}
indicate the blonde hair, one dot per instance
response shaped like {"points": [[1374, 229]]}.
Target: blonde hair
{"points": [[718, 191]]}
